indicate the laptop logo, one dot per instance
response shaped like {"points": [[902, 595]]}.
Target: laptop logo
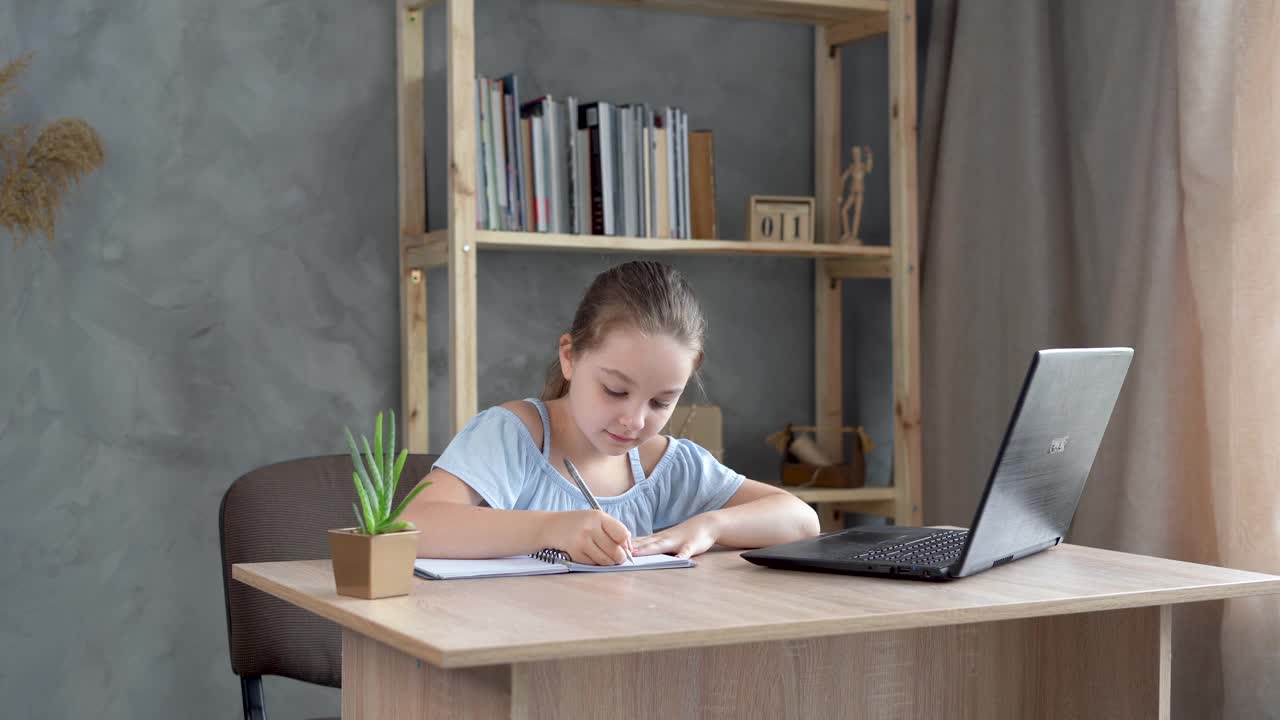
{"points": [[1058, 445]]}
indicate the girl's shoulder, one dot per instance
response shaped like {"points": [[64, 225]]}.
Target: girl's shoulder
{"points": [[680, 460], [499, 431], [510, 422], [527, 414]]}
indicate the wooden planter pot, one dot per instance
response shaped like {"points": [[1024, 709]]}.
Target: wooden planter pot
{"points": [[373, 566]]}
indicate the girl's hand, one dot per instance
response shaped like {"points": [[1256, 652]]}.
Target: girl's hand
{"points": [[691, 537], [591, 537]]}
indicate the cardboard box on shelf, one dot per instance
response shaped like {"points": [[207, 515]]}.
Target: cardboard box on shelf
{"points": [[703, 424], [804, 464]]}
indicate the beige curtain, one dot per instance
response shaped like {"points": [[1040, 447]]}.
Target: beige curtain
{"points": [[1103, 173]]}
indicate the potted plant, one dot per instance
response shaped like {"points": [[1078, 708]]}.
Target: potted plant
{"points": [[375, 558]]}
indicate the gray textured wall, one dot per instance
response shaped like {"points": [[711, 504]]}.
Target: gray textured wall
{"points": [[222, 295]]}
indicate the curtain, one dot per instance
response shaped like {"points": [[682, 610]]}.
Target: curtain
{"points": [[1098, 173]]}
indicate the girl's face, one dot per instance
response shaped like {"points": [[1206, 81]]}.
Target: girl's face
{"points": [[622, 393]]}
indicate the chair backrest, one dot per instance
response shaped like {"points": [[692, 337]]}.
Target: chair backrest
{"points": [[283, 512]]}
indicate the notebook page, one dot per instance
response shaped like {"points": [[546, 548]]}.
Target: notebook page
{"points": [[643, 562], [449, 568]]}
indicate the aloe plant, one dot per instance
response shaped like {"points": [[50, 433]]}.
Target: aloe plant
{"points": [[376, 474]]}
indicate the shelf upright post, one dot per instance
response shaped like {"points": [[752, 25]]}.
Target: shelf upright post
{"points": [[828, 385], [905, 283], [410, 109], [461, 70]]}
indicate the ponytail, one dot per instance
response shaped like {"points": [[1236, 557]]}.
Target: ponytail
{"points": [[555, 386], [649, 296]]}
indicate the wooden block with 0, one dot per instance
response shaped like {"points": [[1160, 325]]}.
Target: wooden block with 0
{"points": [[783, 219]]}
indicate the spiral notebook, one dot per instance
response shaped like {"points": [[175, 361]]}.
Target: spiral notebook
{"points": [[544, 562]]}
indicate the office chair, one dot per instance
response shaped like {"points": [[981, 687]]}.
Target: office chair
{"points": [[283, 512]]}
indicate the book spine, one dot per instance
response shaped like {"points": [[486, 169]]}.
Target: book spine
{"points": [[584, 181], [512, 165], [684, 176], [515, 150], [526, 172], [654, 228], [554, 112], [702, 185], [676, 172], [626, 173], [661, 190], [499, 155], [564, 170], [617, 143], [646, 176], [609, 167], [571, 135], [637, 122], [672, 209], [539, 174], [482, 206], [589, 120]]}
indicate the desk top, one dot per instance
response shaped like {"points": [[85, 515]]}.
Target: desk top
{"points": [[485, 621]]}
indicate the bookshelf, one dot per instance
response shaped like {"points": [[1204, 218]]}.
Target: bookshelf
{"points": [[458, 248]]}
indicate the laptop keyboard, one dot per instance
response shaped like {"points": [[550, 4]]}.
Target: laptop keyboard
{"points": [[939, 549]]}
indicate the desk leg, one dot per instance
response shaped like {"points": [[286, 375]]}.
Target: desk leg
{"points": [[1111, 664], [379, 681], [1166, 660]]}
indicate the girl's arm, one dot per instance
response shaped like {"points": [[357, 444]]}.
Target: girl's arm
{"points": [[757, 515], [454, 525]]}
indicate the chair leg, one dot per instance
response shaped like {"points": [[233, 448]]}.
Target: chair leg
{"points": [[251, 695]]}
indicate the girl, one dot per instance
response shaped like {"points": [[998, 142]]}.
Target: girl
{"points": [[500, 487]]}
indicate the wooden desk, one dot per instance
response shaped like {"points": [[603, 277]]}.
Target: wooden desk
{"points": [[1073, 632]]}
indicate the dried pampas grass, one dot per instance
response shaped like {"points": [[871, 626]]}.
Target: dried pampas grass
{"points": [[34, 179]]}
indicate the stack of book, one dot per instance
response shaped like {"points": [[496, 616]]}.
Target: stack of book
{"points": [[597, 168]]}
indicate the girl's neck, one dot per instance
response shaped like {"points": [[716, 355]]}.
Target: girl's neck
{"points": [[567, 439]]}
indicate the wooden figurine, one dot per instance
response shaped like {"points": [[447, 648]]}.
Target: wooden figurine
{"points": [[782, 219], [851, 191]]}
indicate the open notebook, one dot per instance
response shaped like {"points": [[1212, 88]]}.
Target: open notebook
{"points": [[545, 562]]}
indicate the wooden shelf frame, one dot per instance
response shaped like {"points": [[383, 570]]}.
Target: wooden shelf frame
{"points": [[807, 12], [456, 249], [844, 261]]}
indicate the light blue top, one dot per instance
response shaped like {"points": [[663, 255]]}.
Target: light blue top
{"points": [[496, 455]]}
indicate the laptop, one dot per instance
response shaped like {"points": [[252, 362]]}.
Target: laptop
{"points": [[1031, 495]]}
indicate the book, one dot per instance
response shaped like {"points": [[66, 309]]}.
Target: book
{"points": [[598, 119], [482, 203], [572, 167], [673, 210], [575, 179], [702, 186], [682, 120], [555, 156], [527, 174], [545, 562], [498, 155], [661, 178], [583, 188], [515, 153], [627, 171]]}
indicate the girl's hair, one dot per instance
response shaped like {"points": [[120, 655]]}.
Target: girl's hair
{"points": [[650, 297]]}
